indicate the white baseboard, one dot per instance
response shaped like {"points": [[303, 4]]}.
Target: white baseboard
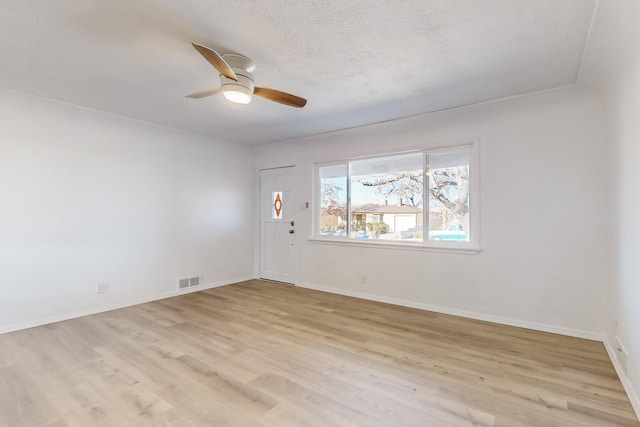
{"points": [[634, 398], [115, 306], [594, 336]]}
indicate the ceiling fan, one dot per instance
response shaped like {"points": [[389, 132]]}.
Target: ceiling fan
{"points": [[236, 80]]}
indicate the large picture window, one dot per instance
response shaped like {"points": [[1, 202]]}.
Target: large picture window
{"points": [[395, 198]]}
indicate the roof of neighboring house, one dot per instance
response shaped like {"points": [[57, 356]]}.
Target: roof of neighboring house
{"points": [[385, 209]]}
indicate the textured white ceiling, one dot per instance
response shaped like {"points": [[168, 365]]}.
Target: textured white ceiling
{"points": [[356, 61]]}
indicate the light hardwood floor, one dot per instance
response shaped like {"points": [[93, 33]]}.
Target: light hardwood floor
{"points": [[264, 354]]}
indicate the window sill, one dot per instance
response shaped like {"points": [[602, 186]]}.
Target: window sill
{"points": [[455, 248]]}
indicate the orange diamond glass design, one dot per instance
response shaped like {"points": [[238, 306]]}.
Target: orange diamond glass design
{"points": [[277, 205]]}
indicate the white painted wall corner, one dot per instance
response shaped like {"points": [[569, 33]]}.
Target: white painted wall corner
{"points": [[634, 397]]}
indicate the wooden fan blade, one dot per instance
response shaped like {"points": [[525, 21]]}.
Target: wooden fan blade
{"points": [[204, 93], [216, 60], [281, 97]]}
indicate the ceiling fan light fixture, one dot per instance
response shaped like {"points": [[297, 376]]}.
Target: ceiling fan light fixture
{"points": [[237, 93]]}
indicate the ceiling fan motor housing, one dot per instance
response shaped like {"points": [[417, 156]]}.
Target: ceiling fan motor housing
{"points": [[239, 91]]}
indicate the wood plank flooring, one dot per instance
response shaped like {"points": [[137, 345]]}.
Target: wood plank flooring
{"points": [[262, 354]]}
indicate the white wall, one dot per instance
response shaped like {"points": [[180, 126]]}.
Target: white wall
{"points": [[87, 197], [542, 216], [612, 66]]}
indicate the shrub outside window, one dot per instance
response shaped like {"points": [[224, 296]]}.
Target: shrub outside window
{"points": [[395, 198]]}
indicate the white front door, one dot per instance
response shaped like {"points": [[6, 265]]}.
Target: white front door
{"points": [[277, 225]]}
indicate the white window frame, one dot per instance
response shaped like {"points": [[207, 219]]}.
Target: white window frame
{"points": [[465, 247]]}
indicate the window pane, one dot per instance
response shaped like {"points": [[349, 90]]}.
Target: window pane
{"points": [[333, 200], [386, 198], [448, 195], [276, 198]]}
